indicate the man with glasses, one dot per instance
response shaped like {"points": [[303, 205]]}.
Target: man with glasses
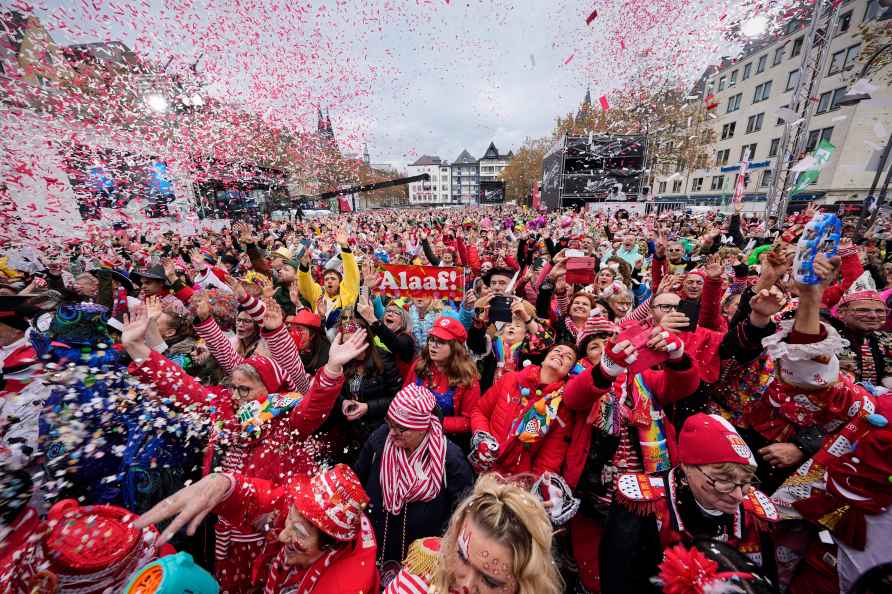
{"points": [[861, 317], [710, 494]]}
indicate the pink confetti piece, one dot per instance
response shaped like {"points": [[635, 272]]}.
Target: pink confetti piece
{"points": [[603, 101], [569, 58]]}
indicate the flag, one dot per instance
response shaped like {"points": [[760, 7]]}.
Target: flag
{"points": [[711, 102], [822, 155], [604, 105]]}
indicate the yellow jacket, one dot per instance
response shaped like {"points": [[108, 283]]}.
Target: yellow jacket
{"points": [[349, 290]]}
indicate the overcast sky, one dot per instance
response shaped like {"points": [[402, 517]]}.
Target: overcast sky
{"points": [[410, 77]]}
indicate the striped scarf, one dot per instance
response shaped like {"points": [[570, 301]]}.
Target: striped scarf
{"points": [[651, 430], [413, 477], [416, 476]]}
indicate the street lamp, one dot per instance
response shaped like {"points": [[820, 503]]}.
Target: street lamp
{"points": [[872, 208]]}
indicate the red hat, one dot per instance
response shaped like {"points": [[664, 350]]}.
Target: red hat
{"points": [[95, 548], [698, 272], [305, 317], [412, 408], [595, 325], [332, 500], [271, 373], [868, 295], [446, 328], [710, 439]]}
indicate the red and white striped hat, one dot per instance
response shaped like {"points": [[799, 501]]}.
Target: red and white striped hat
{"points": [[412, 408]]}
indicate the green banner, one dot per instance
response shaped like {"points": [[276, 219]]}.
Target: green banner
{"points": [[822, 154]]}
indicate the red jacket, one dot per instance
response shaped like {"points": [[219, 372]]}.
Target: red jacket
{"points": [[278, 452], [582, 396], [497, 410], [349, 568], [711, 306], [464, 398]]}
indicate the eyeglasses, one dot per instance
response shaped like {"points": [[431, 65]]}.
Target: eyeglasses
{"points": [[242, 391], [862, 311], [724, 487], [396, 428], [666, 307]]}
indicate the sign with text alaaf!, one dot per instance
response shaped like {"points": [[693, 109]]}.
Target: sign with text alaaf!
{"points": [[398, 280]]}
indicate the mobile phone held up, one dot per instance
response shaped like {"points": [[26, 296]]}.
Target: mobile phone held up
{"points": [[638, 335], [500, 309]]}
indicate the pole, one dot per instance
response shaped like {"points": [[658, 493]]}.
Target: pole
{"points": [[881, 199]]}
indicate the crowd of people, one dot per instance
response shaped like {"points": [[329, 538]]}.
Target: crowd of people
{"points": [[616, 404]]}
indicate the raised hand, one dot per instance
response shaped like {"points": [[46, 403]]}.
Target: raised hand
{"points": [[342, 238], [202, 305], [154, 308], [170, 269], [190, 505], [198, 260], [765, 303], [365, 309], [273, 317], [343, 351], [237, 288], [714, 267]]}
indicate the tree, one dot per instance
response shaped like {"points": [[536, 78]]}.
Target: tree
{"points": [[875, 35], [525, 168]]}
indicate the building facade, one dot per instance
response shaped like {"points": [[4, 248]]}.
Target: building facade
{"points": [[465, 179], [492, 163], [437, 190], [752, 92]]}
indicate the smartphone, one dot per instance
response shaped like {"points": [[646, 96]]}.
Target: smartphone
{"points": [[638, 335], [500, 309], [692, 310]]}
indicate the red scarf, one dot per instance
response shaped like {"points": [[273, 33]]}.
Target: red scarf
{"points": [[413, 477]]}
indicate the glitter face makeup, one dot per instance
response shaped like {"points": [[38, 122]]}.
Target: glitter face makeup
{"points": [[481, 565]]}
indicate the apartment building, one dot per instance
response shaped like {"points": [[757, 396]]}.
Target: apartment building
{"points": [[752, 91], [436, 191], [492, 163], [465, 179]]}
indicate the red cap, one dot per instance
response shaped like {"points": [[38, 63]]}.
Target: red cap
{"points": [[868, 295], [332, 500], [305, 317], [272, 374], [446, 328], [95, 548], [710, 439]]}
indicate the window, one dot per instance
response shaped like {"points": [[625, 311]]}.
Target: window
{"points": [[760, 65], [815, 136], [842, 25], [662, 187], [734, 102], [824, 102], [870, 12], [851, 56], [717, 182], [733, 80], [728, 130], [747, 70], [844, 59], [676, 186], [766, 179], [681, 165], [838, 94], [836, 61], [772, 150], [797, 47], [697, 184], [762, 92], [721, 157], [778, 55], [792, 80], [748, 151], [780, 121], [721, 84], [754, 123]]}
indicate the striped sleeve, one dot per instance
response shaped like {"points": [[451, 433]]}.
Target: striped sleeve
{"points": [[218, 344], [284, 352], [563, 303], [254, 307], [640, 313]]}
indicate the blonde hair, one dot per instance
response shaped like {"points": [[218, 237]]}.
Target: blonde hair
{"points": [[514, 518]]}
